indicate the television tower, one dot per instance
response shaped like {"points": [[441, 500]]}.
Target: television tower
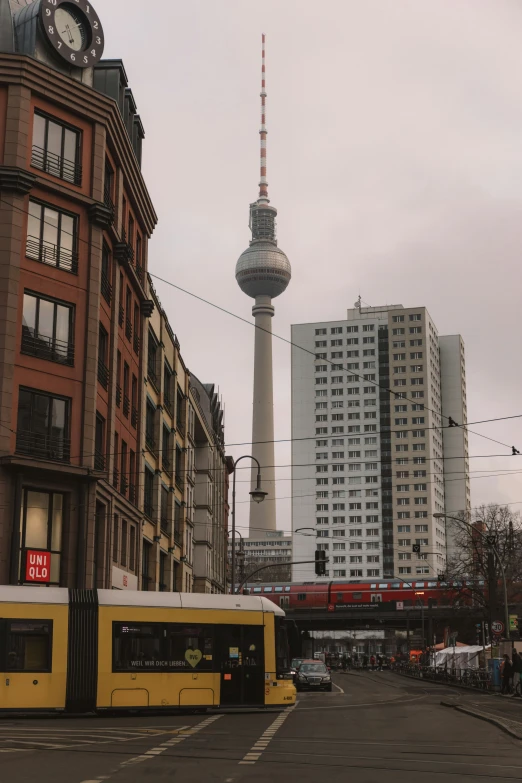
{"points": [[263, 272]]}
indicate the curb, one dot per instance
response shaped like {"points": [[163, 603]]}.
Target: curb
{"points": [[498, 722]]}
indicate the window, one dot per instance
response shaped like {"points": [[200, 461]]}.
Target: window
{"points": [[43, 426], [339, 558], [372, 558], [403, 501], [415, 330], [416, 368], [56, 149], [415, 317], [162, 647], [99, 443], [123, 466], [404, 528], [404, 556], [320, 344], [321, 367], [367, 340], [320, 331], [354, 533], [398, 331], [103, 352], [356, 572], [399, 344], [398, 319], [321, 417], [404, 542], [421, 515], [400, 369], [354, 545], [368, 327], [321, 507], [415, 355], [105, 285], [29, 645], [339, 506], [421, 501], [356, 559], [150, 417], [320, 356], [337, 378], [338, 468], [339, 572], [337, 454], [321, 381], [352, 354], [369, 352], [404, 570], [321, 482], [422, 570], [352, 341], [416, 395], [321, 406], [42, 522], [323, 533], [47, 329], [338, 392], [352, 329], [336, 330], [166, 450], [337, 416], [152, 357], [419, 447], [164, 511], [321, 443], [51, 237], [338, 441], [403, 487], [403, 514], [399, 357], [149, 492]]}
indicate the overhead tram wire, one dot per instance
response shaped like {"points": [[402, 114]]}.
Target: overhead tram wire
{"points": [[313, 437], [398, 395]]}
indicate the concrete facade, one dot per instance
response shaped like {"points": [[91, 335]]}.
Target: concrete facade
{"points": [[368, 449]]}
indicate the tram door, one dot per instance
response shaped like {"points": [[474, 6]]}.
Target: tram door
{"points": [[242, 663]]}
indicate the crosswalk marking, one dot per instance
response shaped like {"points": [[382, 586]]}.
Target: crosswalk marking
{"points": [[262, 743]]}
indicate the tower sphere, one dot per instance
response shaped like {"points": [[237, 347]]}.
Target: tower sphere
{"points": [[263, 270]]}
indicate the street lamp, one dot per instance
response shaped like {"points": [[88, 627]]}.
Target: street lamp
{"points": [[490, 542], [258, 495], [299, 529]]}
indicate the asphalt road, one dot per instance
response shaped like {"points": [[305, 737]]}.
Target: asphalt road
{"points": [[373, 727]]}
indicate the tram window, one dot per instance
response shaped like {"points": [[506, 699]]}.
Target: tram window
{"points": [[432, 584], [287, 589], [301, 596], [257, 590], [190, 647], [137, 646], [268, 589], [278, 589], [383, 586], [396, 586], [29, 645], [357, 596]]}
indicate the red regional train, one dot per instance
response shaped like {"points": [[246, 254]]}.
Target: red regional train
{"points": [[335, 594]]}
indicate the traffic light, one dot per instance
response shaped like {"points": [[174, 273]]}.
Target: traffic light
{"points": [[320, 562]]}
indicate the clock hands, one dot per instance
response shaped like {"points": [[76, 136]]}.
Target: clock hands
{"points": [[68, 31]]}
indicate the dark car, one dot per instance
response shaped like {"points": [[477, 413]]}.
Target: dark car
{"points": [[313, 675]]}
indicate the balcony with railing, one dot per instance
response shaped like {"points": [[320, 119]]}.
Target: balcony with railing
{"points": [[136, 344], [148, 507], [166, 465], [115, 478], [179, 481], [168, 404], [150, 441], [48, 348], [118, 395], [56, 165], [107, 199], [99, 460], [165, 526], [41, 446], [128, 328], [52, 255], [123, 484], [106, 288], [103, 374], [152, 375], [132, 493], [134, 417], [178, 538], [121, 315], [126, 406]]}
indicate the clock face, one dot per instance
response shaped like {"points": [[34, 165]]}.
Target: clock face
{"points": [[73, 29]]}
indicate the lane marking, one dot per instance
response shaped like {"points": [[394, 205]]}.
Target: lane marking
{"points": [[183, 734], [338, 687], [255, 752]]}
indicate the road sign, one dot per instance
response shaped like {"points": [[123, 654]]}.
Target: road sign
{"points": [[513, 622], [399, 604], [497, 627]]}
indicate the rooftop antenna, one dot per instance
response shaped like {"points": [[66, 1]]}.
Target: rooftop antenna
{"points": [[263, 184], [357, 304]]}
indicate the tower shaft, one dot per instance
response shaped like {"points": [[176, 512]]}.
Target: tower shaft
{"points": [[263, 515]]}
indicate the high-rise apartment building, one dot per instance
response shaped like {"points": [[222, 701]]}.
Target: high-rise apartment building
{"points": [[369, 454]]}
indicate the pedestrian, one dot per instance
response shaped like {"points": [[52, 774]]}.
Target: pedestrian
{"points": [[517, 673], [365, 662], [506, 671], [372, 662]]}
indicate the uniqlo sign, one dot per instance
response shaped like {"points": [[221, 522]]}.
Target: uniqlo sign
{"points": [[37, 566]]}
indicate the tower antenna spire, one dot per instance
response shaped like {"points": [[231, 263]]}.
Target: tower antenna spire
{"points": [[263, 184]]}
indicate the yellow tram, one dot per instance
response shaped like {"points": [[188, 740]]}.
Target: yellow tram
{"points": [[92, 650]]}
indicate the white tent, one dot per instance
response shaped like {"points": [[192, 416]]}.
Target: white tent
{"points": [[460, 657]]}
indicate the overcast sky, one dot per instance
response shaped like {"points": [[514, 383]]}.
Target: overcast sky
{"points": [[394, 160]]}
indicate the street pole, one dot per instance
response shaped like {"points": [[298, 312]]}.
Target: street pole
{"points": [[258, 495]]}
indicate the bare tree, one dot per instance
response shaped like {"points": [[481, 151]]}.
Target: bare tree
{"points": [[475, 567]]}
